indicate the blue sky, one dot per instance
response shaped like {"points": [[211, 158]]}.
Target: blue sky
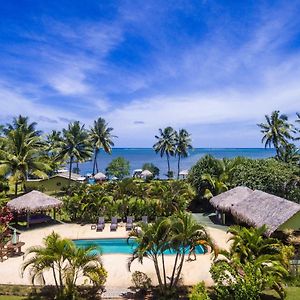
{"points": [[212, 67]]}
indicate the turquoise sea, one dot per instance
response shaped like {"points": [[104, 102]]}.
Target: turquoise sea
{"points": [[138, 156]]}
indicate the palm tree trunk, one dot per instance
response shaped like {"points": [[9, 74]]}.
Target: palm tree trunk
{"points": [[95, 161], [174, 268], [70, 169], [55, 279], [178, 166], [164, 269], [158, 274], [168, 160], [179, 269], [16, 188]]}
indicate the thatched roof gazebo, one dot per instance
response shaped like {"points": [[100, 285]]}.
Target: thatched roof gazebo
{"points": [[263, 208], [146, 173], [228, 199], [32, 202], [100, 176]]}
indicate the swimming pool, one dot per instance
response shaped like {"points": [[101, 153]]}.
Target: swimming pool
{"points": [[117, 246]]}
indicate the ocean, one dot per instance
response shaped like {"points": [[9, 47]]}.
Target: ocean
{"points": [[138, 156]]}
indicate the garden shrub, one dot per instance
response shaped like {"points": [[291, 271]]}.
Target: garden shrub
{"points": [[141, 281], [199, 292]]}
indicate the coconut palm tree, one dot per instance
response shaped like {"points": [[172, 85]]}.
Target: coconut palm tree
{"points": [[22, 123], [53, 140], [66, 263], [276, 131], [75, 145], [101, 137], [21, 156], [166, 144], [183, 144]]}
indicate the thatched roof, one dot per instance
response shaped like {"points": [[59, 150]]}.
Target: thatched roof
{"points": [[33, 201], [262, 208], [100, 176], [227, 200], [184, 172], [146, 173]]}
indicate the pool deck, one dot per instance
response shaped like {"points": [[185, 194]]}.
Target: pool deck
{"points": [[115, 264]]}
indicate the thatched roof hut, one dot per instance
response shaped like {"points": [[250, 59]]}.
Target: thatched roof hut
{"points": [[227, 200], [262, 208], [146, 173], [33, 201], [100, 176]]}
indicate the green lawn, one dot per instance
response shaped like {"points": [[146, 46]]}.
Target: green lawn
{"points": [[293, 293]]}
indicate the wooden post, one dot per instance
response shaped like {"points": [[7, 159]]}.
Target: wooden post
{"points": [[28, 217], [54, 213]]}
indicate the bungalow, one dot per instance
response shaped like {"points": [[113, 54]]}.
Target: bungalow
{"points": [[55, 183], [256, 208]]}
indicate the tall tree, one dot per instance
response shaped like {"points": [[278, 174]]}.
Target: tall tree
{"points": [[21, 152], [165, 144], [183, 145], [101, 138], [75, 145], [22, 123], [66, 262], [276, 131]]}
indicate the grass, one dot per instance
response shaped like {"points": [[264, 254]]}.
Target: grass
{"points": [[293, 293]]}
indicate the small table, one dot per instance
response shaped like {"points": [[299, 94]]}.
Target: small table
{"points": [[15, 249]]}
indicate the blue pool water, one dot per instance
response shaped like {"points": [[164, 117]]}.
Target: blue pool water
{"points": [[117, 246]]}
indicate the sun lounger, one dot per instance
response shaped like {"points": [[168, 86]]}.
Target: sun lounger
{"points": [[145, 219], [114, 224], [101, 224], [129, 223]]}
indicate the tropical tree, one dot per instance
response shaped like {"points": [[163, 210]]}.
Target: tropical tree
{"points": [[166, 144], [66, 263], [180, 234], [101, 137], [22, 124], [21, 156], [288, 153], [118, 167], [254, 262], [75, 145], [276, 131], [183, 144], [152, 168]]}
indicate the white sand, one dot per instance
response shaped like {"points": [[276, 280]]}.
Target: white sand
{"points": [[115, 264]]}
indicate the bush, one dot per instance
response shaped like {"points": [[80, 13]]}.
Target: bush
{"points": [[199, 292], [141, 281]]}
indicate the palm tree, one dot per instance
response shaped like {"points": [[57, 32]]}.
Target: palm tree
{"points": [[152, 240], [252, 256], [101, 138], [21, 156], [183, 144], [186, 235], [166, 144], [53, 140], [75, 145], [277, 130], [180, 234], [66, 262], [22, 123]]}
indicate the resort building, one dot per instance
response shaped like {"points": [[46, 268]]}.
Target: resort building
{"points": [[256, 208], [55, 183]]}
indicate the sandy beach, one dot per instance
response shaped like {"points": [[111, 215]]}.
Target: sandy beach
{"points": [[115, 264]]}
